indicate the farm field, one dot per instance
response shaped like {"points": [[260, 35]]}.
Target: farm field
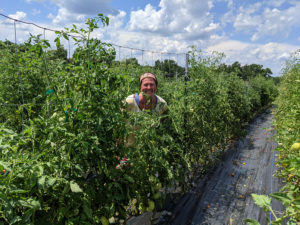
{"points": [[63, 123]]}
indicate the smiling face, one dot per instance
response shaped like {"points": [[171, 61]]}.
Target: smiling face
{"points": [[148, 86]]}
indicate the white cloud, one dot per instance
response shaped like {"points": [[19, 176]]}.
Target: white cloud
{"points": [[231, 48], [77, 10], [114, 30], [275, 3], [284, 56], [270, 22], [245, 20], [22, 31], [186, 19], [18, 15], [64, 16], [277, 23], [271, 55], [10, 24], [116, 22], [230, 3]]}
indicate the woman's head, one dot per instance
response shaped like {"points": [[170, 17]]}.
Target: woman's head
{"points": [[148, 83], [148, 75]]}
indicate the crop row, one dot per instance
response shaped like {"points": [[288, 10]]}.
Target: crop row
{"points": [[62, 122]]}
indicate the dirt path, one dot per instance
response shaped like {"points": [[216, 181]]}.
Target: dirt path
{"points": [[223, 195]]}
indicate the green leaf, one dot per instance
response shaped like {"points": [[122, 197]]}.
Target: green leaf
{"points": [[297, 203], [87, 210], [51, 181], [75, 187], [252, 222], [262, 201], [3, 197], [27, 215], [57, 41], [4, 165], [292, 222], [18, 191], [41, 181], [35, 204], [129, 178], [30, 203], [283, 197], [65, 36], [8, 203], [15, 220], [47, 44]]}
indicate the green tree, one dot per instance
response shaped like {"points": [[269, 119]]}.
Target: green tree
{"points": [[132, 61], [246, 72], [59, 53], [169, 67]]}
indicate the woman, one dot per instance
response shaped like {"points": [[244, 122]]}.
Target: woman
{"points": [[147, 99]]}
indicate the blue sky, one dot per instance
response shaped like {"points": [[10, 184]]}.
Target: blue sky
{"points": [[264, 32]]}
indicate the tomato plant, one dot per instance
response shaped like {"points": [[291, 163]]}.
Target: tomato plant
{"points": [[58, 141]]}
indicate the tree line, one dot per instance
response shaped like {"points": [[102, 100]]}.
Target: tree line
{"points": [[169, 67]]}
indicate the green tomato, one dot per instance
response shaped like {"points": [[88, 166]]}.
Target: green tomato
{"points": [[104, 220], [157, 186], [157, 195], [151, 206], [295, 146]]}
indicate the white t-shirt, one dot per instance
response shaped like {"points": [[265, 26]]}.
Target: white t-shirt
{"points": [[160, 106]]}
